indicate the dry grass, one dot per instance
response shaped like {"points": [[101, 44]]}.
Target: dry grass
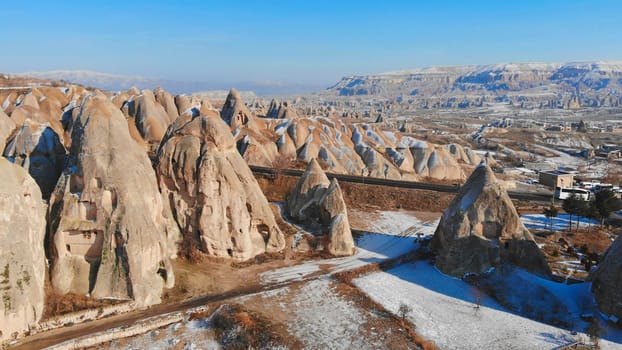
{"points": [[239, 328], [56, 304]]}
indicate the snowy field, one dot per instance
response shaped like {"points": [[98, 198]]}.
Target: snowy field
{"points": [[188, 334], [391, 236], [561, 222], [444, 311]]}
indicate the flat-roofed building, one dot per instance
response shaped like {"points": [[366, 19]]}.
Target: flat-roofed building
{"points": [[556, 178]]}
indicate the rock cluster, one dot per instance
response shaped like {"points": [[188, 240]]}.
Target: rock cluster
{"points": [[318, 202], [213, 194], [22, 258], [481, 229]]}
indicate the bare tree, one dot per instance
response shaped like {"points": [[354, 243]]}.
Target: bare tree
{"points": [[403, 311]]}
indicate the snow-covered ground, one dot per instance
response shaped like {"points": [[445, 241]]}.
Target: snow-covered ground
{"points": [[187, 334], [444, 310], [393, 234], [561, 222], [322, 319]]}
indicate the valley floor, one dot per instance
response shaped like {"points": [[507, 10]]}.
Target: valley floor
{"points": [[306, 307]]}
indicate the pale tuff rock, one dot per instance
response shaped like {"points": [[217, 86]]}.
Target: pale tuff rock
{"points": [[481, 229], [22, 258], [7, 126], [358, 149], [150, 117], [319, 202], [108, 225], [37, 148], [607, 281], [214, 196], [234, 112], [168, 103], [281, 110]]}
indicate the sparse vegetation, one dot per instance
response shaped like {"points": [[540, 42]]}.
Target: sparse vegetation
{"points": [[403, 311]]}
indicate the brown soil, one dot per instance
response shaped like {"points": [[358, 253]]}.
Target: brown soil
{"points": [[253, 330], [366, 197]]}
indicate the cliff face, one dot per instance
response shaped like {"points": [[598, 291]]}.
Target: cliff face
{"points": [[481, 229], [548, 85]]}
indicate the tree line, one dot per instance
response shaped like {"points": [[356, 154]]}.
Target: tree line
{"points": [[600, 208]]}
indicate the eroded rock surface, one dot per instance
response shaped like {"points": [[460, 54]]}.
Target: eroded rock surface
{"points": [[39, 149], [22, 258], [318, 202], [214, 196], [481, 229], [109, 229]]}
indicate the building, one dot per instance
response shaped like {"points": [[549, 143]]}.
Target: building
{"points": [[556, 178]]}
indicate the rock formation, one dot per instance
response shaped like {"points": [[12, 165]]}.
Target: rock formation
{"points": [[607, 281], [481, 229], [38, 148], [22, 258], [281, 110], [214, 196], [150, 117], [7, 125], [319, 203], [108, 225], [234, 112], [529, 85]]}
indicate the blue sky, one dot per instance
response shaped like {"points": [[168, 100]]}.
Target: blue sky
{"points": [[311, 42]]}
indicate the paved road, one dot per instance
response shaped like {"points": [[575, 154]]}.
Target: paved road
{"points": [[527, 196]]}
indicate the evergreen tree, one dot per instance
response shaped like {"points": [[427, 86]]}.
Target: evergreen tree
{"points": [[605, 203], [550, 213], [573, 205]]}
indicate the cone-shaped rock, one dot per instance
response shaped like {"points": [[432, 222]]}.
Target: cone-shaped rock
{"points": [[481, 229], [607, 281], [215, 198], [318, 201], [309, 189], [108, 224], [22, 259], [234, 112]]}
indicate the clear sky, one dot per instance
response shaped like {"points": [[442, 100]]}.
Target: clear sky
{"points": [[304, 42]]}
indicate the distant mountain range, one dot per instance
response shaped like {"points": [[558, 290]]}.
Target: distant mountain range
{"points": [[548, 85], [117, 82]]}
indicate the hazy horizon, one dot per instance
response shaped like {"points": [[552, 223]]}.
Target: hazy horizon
{"points": [[298, 45]]}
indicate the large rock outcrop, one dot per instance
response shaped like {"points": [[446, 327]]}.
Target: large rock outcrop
{"points": [[481, 229], [22, 258], [318, 202], [607, 281], [108, 225], [39, 149], [213, 194]]}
